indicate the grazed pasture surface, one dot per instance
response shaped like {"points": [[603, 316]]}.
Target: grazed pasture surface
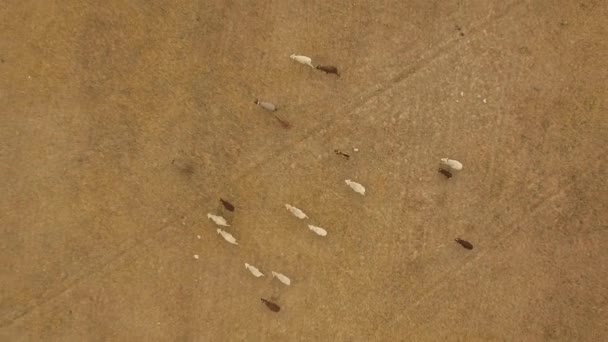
{"points": [[122, 123]]}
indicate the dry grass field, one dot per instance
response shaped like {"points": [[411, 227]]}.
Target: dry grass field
{"points": [[122, 123]]}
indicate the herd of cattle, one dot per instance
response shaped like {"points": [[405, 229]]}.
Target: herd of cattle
{"points": [[449, 166]]}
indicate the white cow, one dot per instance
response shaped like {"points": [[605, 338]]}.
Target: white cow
{"points": [[454, 164], [296, 212], [266, 105], [227, 236], [356, 186], [254, 270], [220, 221], [302, 59], [282, 278], [318, 230]]}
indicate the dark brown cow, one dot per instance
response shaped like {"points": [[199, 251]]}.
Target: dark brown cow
{"points": [[340, 153], [328, 69], [446, 173], [464, 243], [227, 205], [270, 305]]}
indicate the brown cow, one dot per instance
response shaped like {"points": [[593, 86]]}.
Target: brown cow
{"points": [[446, 173], [328, 69], [340, 153], [464, 243], [227, 205], [271, 306]]}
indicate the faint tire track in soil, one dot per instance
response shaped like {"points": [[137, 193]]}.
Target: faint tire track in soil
{"points": [[541, 204], [100, 267], [130, 247], [384, 86]]}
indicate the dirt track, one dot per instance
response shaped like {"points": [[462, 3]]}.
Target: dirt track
{"points": [[122, 124]]}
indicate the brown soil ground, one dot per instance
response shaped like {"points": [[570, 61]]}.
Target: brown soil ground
{"points": [[124, 122]]}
